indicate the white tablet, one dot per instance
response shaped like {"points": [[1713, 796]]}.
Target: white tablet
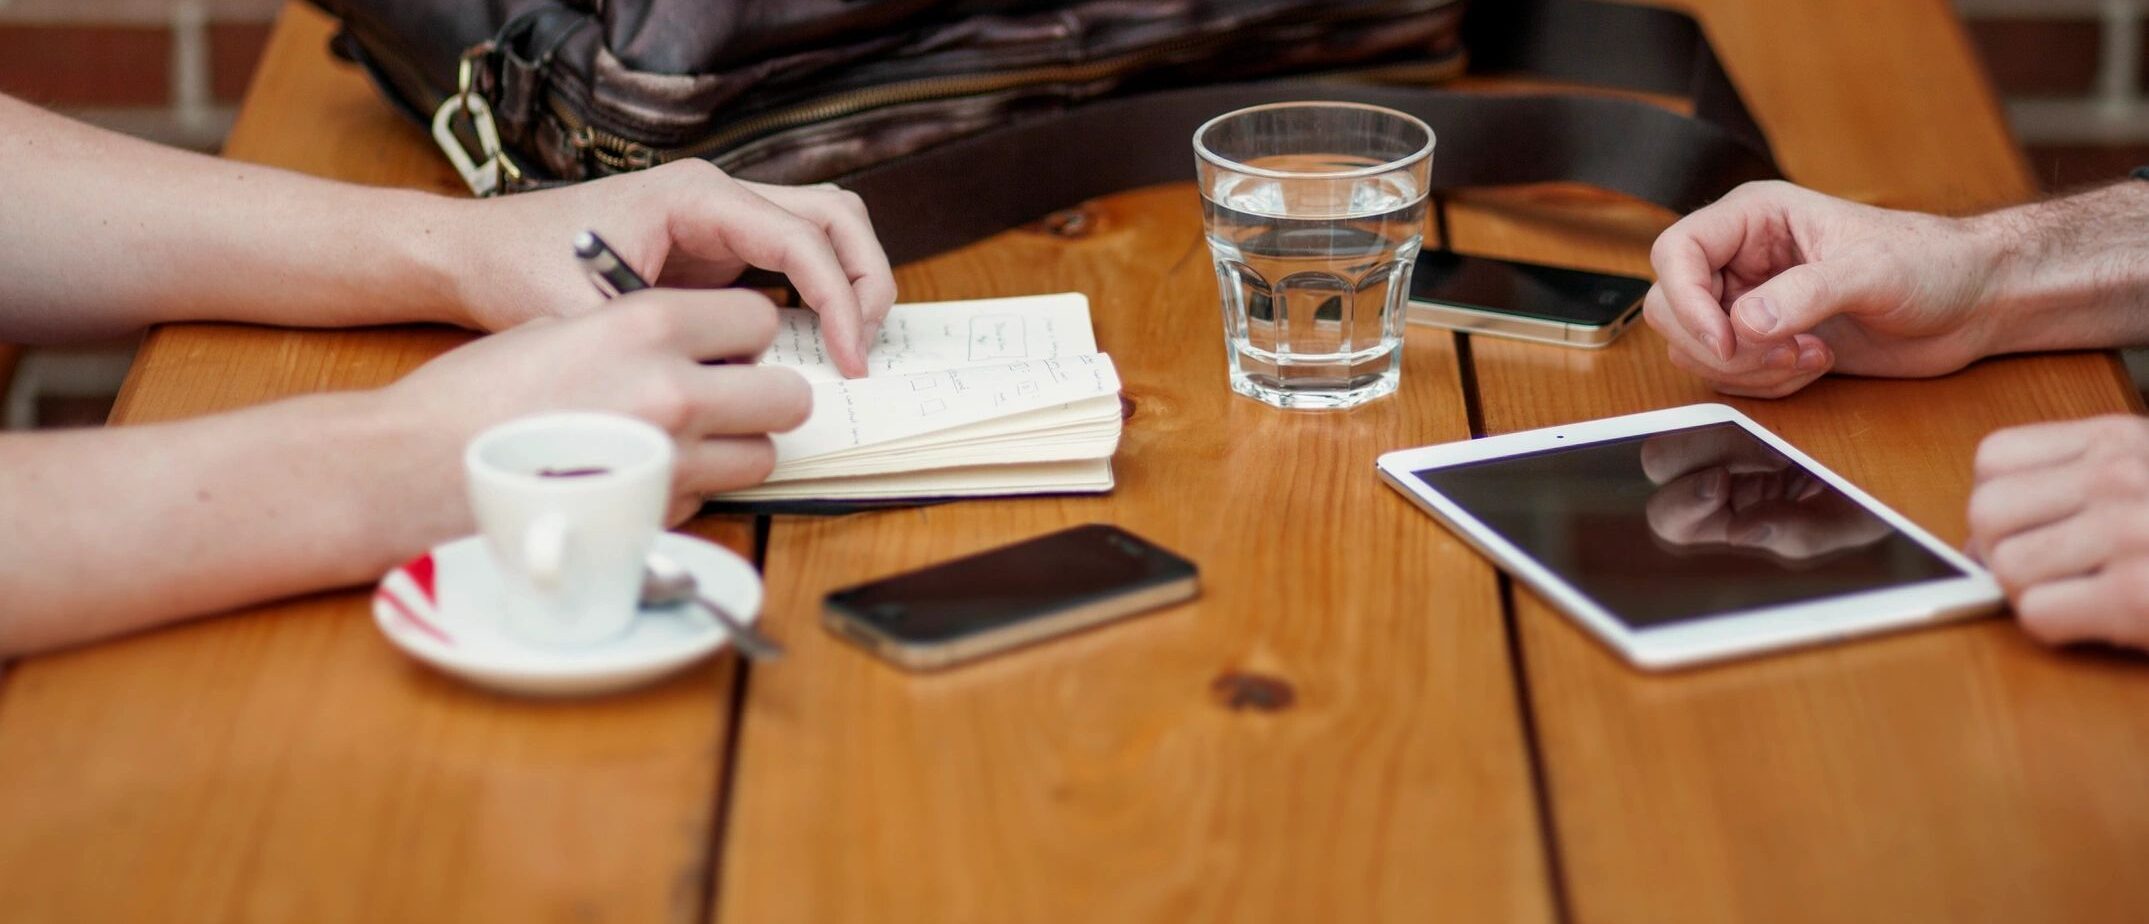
{"points": [[1690, 534]]}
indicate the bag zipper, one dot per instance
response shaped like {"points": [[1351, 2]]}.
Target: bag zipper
{"points": [[620, 154]]}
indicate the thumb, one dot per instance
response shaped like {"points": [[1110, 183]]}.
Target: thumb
{"points": [[1796, 301]]}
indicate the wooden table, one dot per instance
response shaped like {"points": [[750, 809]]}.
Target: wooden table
{"points": [[1447, 747]]}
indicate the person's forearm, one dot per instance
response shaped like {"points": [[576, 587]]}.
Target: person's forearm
{"points": [[103, 234], [114, 530], [2070, 273]]}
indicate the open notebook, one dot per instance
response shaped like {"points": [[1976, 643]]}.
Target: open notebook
{"points": [[963, 399]]}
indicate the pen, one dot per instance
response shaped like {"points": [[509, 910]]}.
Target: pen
{"points": [[612, 276]]}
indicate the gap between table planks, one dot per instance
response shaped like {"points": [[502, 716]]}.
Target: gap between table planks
{"points": [[257, 861], [1961, 773], [1330, 732]]}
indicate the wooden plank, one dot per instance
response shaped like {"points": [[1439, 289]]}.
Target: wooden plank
{"points": [[286, 764], [1959, 774], [1107, 777]]}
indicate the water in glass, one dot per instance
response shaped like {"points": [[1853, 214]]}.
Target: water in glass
{"points": [[1314, 277]]}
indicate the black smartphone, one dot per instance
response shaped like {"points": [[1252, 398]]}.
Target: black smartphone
{"points": [[1548, 304], [1010, 596]]}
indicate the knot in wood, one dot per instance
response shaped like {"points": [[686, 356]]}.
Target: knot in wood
{"points": [[1068, 223], [1239, 691]]}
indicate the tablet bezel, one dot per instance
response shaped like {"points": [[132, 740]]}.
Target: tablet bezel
{"points": [[1730, 634]]}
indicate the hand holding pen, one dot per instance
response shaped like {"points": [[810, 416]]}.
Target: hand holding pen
{"points": [[611, 275]]}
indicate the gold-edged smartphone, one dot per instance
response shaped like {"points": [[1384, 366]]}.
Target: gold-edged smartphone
{"points": [[1009, 597], [1525, 301]]}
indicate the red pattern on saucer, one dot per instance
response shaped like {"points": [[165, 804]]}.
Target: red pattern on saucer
{"points": [[409, 591]]}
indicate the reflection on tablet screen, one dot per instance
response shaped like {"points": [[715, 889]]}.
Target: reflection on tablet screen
{"points": [[1686, 523]]}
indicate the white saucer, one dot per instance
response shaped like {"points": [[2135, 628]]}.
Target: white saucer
{"points": [[443, 608]]}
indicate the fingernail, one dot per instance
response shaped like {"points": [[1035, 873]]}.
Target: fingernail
{"points": [[1760, 315], [1709, 486], [1780, 356], [1758, 535], [1810, 359]]}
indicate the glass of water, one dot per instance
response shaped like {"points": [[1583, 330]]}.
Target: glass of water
{"points": [[1314, 213]]}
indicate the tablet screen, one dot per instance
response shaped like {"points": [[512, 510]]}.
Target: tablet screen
{"points": [[1685, 524]]}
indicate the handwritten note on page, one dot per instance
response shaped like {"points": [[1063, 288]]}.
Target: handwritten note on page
{"points": [[861, 412], [946, 335]]}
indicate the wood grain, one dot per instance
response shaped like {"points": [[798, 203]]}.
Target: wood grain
{"points": [[1110, 777], [1959, 774], [285, 764]]}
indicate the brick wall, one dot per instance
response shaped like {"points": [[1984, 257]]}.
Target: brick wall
{"points": [[172, 70], [2072, 70], [2075, 77]]}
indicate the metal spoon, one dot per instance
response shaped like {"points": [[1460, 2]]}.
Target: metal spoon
{"points": [[666, 583]]}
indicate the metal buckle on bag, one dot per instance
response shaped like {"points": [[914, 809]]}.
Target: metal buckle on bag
{"points": [[482, 173], [482, 176]]}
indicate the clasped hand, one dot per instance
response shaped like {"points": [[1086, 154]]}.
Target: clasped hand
{"points": [[1776, 286]]}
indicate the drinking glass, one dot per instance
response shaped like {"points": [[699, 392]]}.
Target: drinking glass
{"points": [[1314, 214]]}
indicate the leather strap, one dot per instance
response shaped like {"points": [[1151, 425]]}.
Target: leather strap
{"points": [[955, 193], [1611, 45]]}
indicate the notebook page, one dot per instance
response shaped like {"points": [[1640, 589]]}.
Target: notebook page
{"points": [[1089, 416], [862, 412], [945, 335], [1085, 429]]}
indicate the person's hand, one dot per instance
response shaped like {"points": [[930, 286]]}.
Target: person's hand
{"points": [[2061, 516], [641, 358], [684, 224], [1721, 488], [1775, 286]]}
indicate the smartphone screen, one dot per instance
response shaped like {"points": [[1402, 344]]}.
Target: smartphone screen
{"points": [[1064, 572], [1549, 293]]}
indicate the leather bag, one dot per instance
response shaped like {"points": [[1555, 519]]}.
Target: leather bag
{"points": [[958, 118]]}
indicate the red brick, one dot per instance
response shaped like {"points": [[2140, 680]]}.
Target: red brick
{"points": [[65, 412], [2038, 57], [2064, 167], [86, 65], [2045, 57], [234, 49]]}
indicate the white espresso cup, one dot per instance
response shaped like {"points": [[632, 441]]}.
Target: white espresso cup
{"points": [[570, 504]]}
